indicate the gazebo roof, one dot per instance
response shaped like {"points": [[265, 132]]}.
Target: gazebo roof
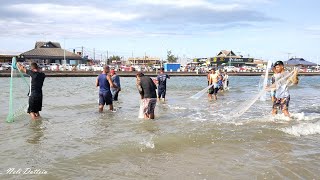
{"points": [[299, 61]]}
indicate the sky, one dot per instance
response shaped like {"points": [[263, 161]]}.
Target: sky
{"points": [[268, 29]]}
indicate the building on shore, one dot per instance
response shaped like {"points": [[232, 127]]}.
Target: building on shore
{"points": [[229, 58], [6, 58], [51, 52], [145, 60]]}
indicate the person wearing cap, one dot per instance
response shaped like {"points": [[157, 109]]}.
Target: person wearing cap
{"points": [[116, 80], [104, 83], [147, 91], [280, 85], [162, 84]]}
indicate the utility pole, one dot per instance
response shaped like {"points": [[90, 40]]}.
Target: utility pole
{"points": [[94, 54], [107, 58], [64, 51], [82, 51], [133, 58]]}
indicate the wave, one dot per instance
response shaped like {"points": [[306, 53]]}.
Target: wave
{"points": [[303, 129]]}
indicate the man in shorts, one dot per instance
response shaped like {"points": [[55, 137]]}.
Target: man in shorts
{"points": [[282, 96], [116, 80], [35, 92], [104, 83], [213, 80], [147, 90], [162, 84]]}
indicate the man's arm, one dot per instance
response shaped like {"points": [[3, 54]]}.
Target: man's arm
{"points": [[110, 82], [138, 83], [21, 68], [295, 79], [97, 82]]}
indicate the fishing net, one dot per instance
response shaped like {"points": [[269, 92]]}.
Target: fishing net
{"points": [[18, 91]]}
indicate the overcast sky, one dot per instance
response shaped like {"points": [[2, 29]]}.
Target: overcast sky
{"points": [[266, 29]]}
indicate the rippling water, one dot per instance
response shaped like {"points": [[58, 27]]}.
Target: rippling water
{"points": [[189, 139]]}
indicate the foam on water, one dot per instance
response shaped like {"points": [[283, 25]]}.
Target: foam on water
{"points": [[147, 144], [303, 129]]}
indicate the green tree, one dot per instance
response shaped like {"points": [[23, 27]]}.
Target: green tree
{"points": [[113, 58], [117, 58], [171, 58]]}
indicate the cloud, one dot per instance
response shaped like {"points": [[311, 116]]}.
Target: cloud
{"points": [[124, 17]]}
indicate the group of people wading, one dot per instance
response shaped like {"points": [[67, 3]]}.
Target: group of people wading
{"points": [[218, 81], [109, 87]]}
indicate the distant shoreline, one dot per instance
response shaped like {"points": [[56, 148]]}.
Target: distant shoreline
{"points": [[133, 73]]}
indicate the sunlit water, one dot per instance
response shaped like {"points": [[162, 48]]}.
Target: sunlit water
{"points": [[189, 139]]}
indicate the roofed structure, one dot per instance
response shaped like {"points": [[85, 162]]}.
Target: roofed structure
{"points": [[49, 51], [299, 62], [144, 60], [226, 53]]}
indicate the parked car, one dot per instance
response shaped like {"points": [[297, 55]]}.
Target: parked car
{"points": [[66, 67], [54, 66], [97, 68], [156, 67], [6, 66], [84, 67]]}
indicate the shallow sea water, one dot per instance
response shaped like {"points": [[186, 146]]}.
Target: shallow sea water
{"points": [[189, 139]]}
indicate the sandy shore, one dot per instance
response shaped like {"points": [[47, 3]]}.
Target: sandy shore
{"points": [[133, 73]]}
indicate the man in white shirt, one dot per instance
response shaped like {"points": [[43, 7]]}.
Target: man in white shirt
{"points": [[282, 96]]}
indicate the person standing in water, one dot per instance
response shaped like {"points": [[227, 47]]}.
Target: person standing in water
{"points": [[116, 80], [147, 91], [214, 82], [208, 76], [282, 96], [162, 84], [273, 91], [225, 80], [104, 83], [35, 92]]}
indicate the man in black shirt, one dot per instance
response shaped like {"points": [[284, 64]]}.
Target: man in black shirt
{"points": [[35, 92], [147, 90]]}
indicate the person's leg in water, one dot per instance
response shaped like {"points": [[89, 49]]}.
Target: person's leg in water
{"points": [[164, 95], [101, 108], [215, 92], [210, 92], [33, 115], [115, 97], [108, 100], [152, 106], [274, 111], [285, 105], [111, 107], [37, 114], [101, 102], [275, 106]]}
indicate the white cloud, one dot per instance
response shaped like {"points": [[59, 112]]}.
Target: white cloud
{"points": [[136, 17], [65, 12], [192, 4]]}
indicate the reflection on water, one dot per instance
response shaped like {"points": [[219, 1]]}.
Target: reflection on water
{"points": [[37, 132], [189, 139]]}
